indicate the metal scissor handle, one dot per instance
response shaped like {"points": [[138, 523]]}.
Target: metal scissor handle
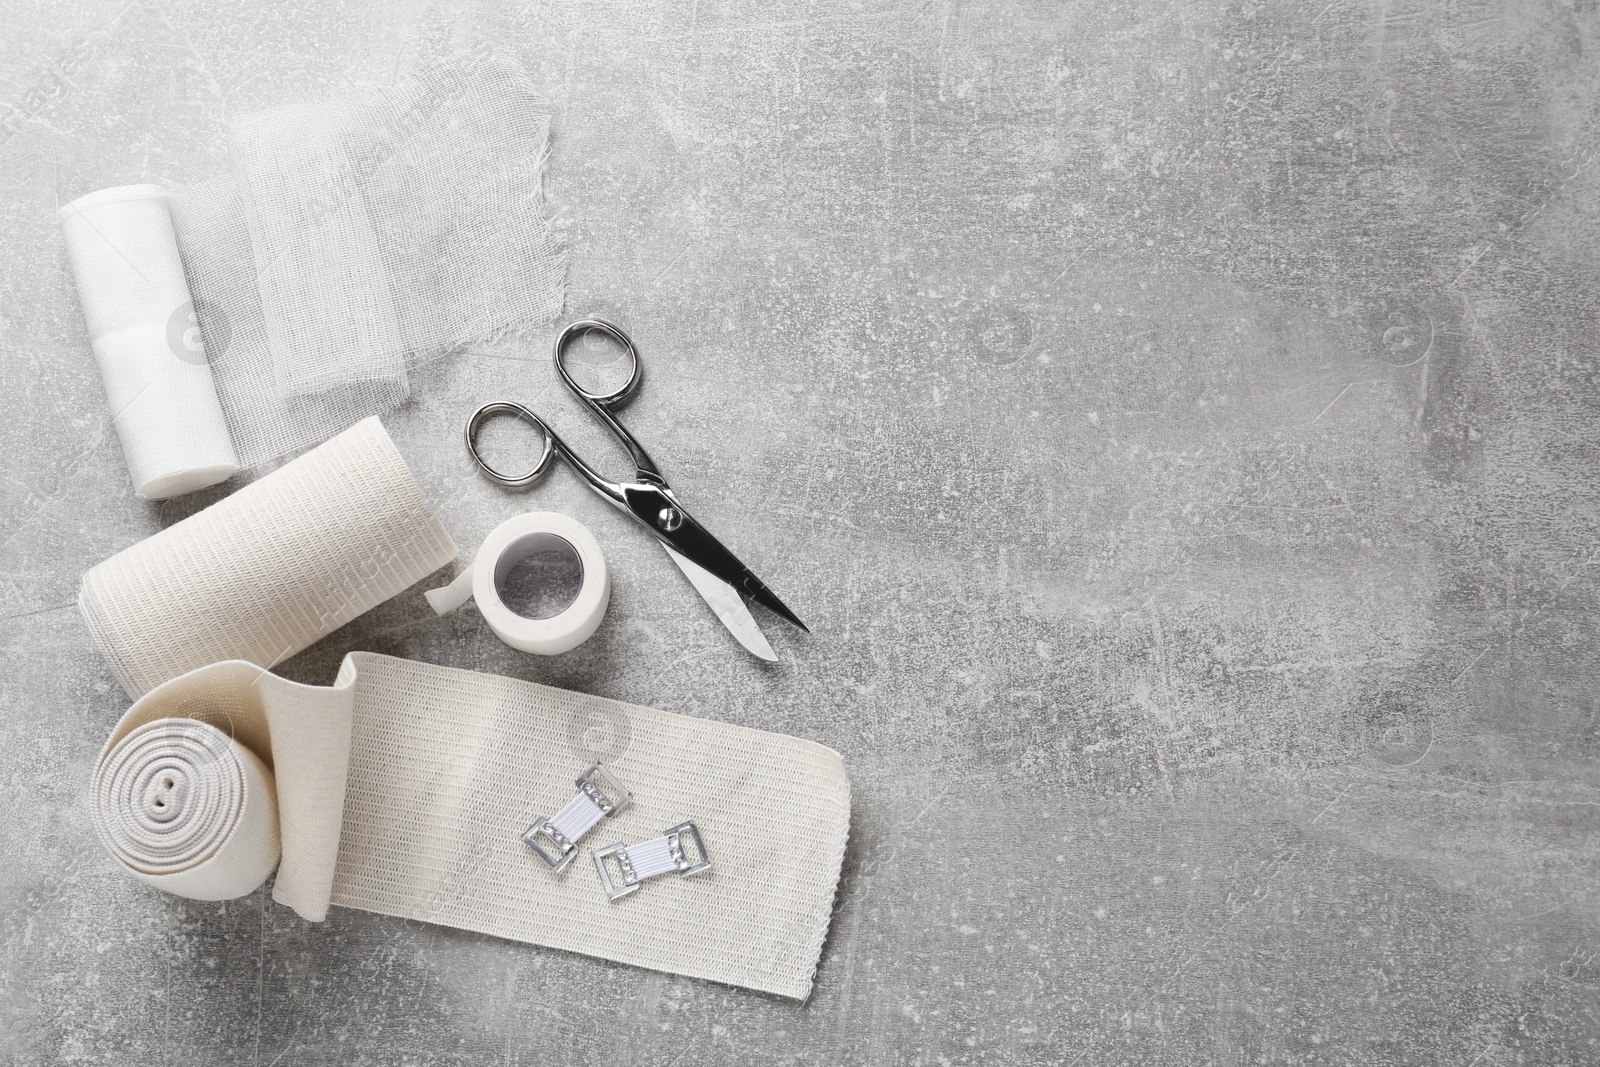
{"points": [[509, 407], [583, 326], [601, 403], [598, 403]]}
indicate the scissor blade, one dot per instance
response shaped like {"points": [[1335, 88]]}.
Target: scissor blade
{"points": [[654, 505], [693, 542], [727, 603]]}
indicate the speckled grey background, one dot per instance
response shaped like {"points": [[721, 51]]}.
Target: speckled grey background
{"points": [[1177, 420]]}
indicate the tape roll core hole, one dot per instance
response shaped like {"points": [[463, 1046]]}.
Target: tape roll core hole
{"points": [[539, 575]]}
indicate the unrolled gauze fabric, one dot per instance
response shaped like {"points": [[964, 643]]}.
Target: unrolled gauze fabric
{"points": [[404, 787], [353, 240], [263, 573]]}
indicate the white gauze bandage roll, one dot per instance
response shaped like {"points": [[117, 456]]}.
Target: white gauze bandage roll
{"points": [[352, 240], [147, 341], [265, 572], [187, 809]]}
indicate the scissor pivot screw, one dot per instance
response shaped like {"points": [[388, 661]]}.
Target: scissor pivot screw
{"points": [[669, 519]]}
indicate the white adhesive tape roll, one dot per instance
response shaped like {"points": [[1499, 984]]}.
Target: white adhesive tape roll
{"points": [[146, 338], [187, 809], [506, 546]]}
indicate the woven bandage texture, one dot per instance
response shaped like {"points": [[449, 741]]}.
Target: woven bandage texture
{"points": [[404, 788], [265, 572]]}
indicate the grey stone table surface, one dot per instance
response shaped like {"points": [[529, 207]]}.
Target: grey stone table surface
{"points": [[1178, 422]]}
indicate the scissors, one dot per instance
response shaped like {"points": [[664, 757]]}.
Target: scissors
{"points": [[716, 573]]}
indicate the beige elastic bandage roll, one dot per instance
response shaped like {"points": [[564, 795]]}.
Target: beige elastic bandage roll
{"points": [[186, 808], [265, 572], [405, 787]]}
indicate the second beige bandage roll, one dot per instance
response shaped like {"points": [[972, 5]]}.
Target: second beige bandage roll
{"points": [[269, 570]]}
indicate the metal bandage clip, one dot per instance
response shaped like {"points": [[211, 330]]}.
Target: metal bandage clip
{"points": [[679, 849], [555, 837]]}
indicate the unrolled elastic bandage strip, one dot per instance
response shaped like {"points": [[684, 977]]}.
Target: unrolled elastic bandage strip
{"points": [[402, 789]]}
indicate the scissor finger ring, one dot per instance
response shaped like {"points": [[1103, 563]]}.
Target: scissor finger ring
{"points": [[507, 407], [583, 326]]}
